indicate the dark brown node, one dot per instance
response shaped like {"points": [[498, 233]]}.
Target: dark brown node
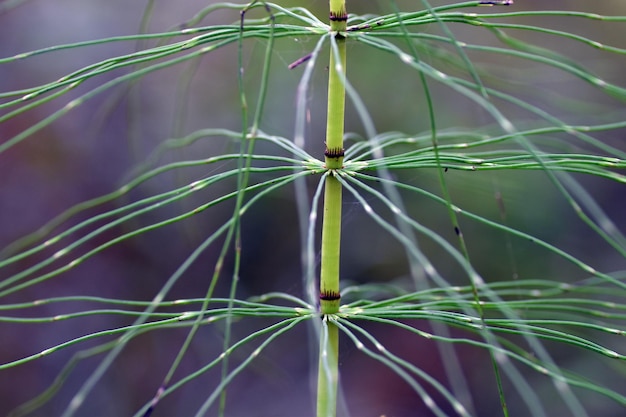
{"points": [[335, 17], [330, 296], [334, 152]]}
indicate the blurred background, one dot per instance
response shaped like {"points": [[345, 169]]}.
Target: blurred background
{"points": [[92, 150]]}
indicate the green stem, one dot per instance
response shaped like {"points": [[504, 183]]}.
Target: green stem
{"points": [[328, 370], [336, 99], [331, 242], [331, 223]]}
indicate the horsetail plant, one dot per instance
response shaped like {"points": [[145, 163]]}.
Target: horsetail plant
{"points": [[331, 224], [493, 255]]}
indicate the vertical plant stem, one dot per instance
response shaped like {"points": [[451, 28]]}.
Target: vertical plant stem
{"points": [[328, 373], [328, 370], [331, 223], [331, 242], [336, 86]]}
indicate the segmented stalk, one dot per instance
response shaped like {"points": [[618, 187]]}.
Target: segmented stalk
{"points": [[328, 374]]}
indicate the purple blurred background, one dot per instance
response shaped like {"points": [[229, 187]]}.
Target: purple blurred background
{"points": [[91, 151]]}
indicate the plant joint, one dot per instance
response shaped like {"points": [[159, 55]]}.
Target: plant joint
{"points": [[338, 17], [334, 158], [338, 22], [334, 153], [330, 296], [329, 306]]}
